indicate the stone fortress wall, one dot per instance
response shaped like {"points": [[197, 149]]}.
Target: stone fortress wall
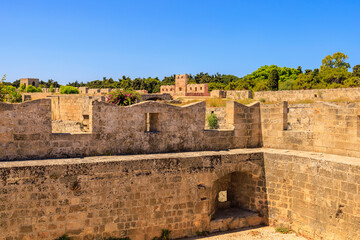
{"points": [[322, 127], [291, 95], [314, 193], [137, 196], [147, 127], [312, 94]]}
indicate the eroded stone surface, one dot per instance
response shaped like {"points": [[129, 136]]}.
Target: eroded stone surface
{"points": [[139, 195]]}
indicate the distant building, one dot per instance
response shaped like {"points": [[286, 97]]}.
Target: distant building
{"points": [[29, 81], [182, 88]]}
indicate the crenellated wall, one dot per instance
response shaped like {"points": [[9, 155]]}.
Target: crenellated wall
{"points": [[315, 194], [27, 133]]}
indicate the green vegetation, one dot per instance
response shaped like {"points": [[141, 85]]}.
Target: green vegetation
{"points": [[123, 97], [64, 237], [274, 80], [246, 101], [22, 88], [49, 83], [165, 235], [283, 230], [202, 233], [333, 73], [9, 93], [68, 90], [212, 121], [32, 89], [215, 102]]}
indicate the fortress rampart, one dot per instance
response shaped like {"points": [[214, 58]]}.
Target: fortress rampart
{"points": [[256, 159], [30, 130], [312, 94], [291, 95], [148, 127], [137, 196], [328, 128]]}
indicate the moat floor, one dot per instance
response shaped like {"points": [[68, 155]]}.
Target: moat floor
{"points": [[264, 233]]}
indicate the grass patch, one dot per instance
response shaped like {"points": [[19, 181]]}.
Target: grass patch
{"points": [[283, 230], [302, 101], [246, 101], [215, 102]]}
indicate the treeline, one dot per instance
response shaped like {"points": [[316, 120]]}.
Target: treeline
{"points": [[333, 73]]}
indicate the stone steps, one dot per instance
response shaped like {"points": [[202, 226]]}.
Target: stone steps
{"points": [[233, 218]]}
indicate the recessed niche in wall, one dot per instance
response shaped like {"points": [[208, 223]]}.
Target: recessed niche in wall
{"points": [[152, 123], [236, 198]]}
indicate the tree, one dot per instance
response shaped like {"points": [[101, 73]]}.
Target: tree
{"points": [[356, 71], [2, 94], [337, 60], [168, 80], [334, 69], [299, 69], [16, 83], [125, 83], [273, 81]]}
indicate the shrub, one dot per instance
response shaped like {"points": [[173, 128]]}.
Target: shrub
{"points": [[32, 89], [262, 100], [287, 85], [123, 97], [14, 97], [64, 237], [10, 94], [212, 121], [22, 88], [165, 235], [51, 89], [69, 90]]}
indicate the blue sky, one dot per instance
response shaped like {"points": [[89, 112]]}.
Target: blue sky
{"points": [[87, 40]]}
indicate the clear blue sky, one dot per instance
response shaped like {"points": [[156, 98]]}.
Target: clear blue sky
{"points": [[68, 40]]}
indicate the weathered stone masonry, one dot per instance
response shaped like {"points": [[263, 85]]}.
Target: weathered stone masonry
{"points": [[26, 131], [315, 194], [137, 196]]}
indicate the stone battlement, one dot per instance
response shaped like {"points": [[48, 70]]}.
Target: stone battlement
{"points": [[74, 126], [148, 127]]}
